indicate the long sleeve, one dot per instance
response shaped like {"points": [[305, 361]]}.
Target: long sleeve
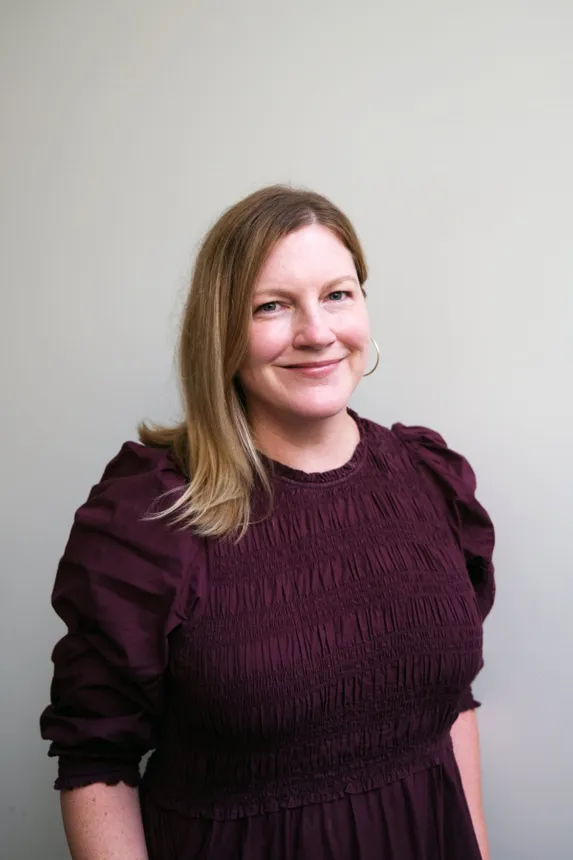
{"points": [[122, 586], [455, 480]]}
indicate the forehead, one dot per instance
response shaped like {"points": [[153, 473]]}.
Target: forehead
{"points": [[312, 254]]}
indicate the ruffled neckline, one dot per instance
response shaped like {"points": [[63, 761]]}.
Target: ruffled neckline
{"points": [[331, 476]]}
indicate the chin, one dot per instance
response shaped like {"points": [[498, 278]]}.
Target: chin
{"points": [[318, 407]]}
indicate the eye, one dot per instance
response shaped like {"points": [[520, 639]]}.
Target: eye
{"points": [[338, 295], [267, 308]]}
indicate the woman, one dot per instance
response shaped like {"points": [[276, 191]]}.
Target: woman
{"points": [[282, 599]]}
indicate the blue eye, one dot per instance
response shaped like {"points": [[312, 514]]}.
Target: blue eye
{"points": [[337, 295], [267, 308]]}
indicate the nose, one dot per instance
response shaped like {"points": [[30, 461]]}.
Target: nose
{"points": [[312, 331]]}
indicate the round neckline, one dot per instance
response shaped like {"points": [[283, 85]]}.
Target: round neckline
{"points": [[288, 473]]}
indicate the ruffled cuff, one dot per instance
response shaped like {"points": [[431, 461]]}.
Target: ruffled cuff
{"points": [[78, 772], [467, 701]]}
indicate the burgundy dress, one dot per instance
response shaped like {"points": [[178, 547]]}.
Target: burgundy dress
{"points": [[298, 687]]}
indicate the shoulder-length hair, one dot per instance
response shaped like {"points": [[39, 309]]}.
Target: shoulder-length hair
{"points": [[213, 444]]}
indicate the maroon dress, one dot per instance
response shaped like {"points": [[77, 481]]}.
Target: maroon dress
{"points": [[298, 687]]}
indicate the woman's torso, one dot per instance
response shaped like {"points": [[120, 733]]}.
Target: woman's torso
{"points": [[330, 650]]}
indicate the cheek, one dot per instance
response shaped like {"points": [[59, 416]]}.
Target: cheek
{"points": [[357, 332], [266, 343]]}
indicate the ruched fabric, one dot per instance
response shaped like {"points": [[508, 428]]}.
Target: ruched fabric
{"points": [[298, 688]]}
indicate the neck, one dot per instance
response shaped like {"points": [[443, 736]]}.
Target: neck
{"points": [[313, 445]]}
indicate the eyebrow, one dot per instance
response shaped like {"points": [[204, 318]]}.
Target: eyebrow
{"points": [[281, 291]]}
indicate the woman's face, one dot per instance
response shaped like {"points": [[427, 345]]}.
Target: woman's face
{"points": [[309, 331]]}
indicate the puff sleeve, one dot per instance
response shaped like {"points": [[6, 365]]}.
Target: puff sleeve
{"points": [[455, 479], [123, 585]]}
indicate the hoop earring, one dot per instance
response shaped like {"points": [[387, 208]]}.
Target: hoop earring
{"points": [[370, 372]]}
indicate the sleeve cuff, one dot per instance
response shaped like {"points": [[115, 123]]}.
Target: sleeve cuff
{"points": [[467, 701], [78, 772]]}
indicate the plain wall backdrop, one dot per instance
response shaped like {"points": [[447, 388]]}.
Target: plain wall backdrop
{"points": [[445, 130]]}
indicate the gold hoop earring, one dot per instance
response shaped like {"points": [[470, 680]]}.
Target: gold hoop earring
{"points": [[370, 372]]}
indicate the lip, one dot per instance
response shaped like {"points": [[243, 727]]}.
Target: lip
{"points": [[314, 364], [314, 368]]}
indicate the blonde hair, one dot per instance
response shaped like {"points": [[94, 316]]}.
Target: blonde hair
{"points": [[213, 445]]}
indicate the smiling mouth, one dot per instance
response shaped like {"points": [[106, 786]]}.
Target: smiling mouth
{"points": [[311, 364]]}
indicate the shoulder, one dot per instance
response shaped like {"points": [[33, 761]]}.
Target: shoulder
{"points": [[118, 552], [378, 438], [398, 436], [124, 513], [127, 506], [431, 453], [137, 483], [448, 476], [138, 474], [398, 447], [424, 450]]}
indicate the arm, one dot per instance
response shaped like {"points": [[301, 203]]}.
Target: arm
{"points": [[120, 589], [103, 822], [465, 740]]}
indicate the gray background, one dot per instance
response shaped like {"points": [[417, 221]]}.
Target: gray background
{"points": [[445, 130]]}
